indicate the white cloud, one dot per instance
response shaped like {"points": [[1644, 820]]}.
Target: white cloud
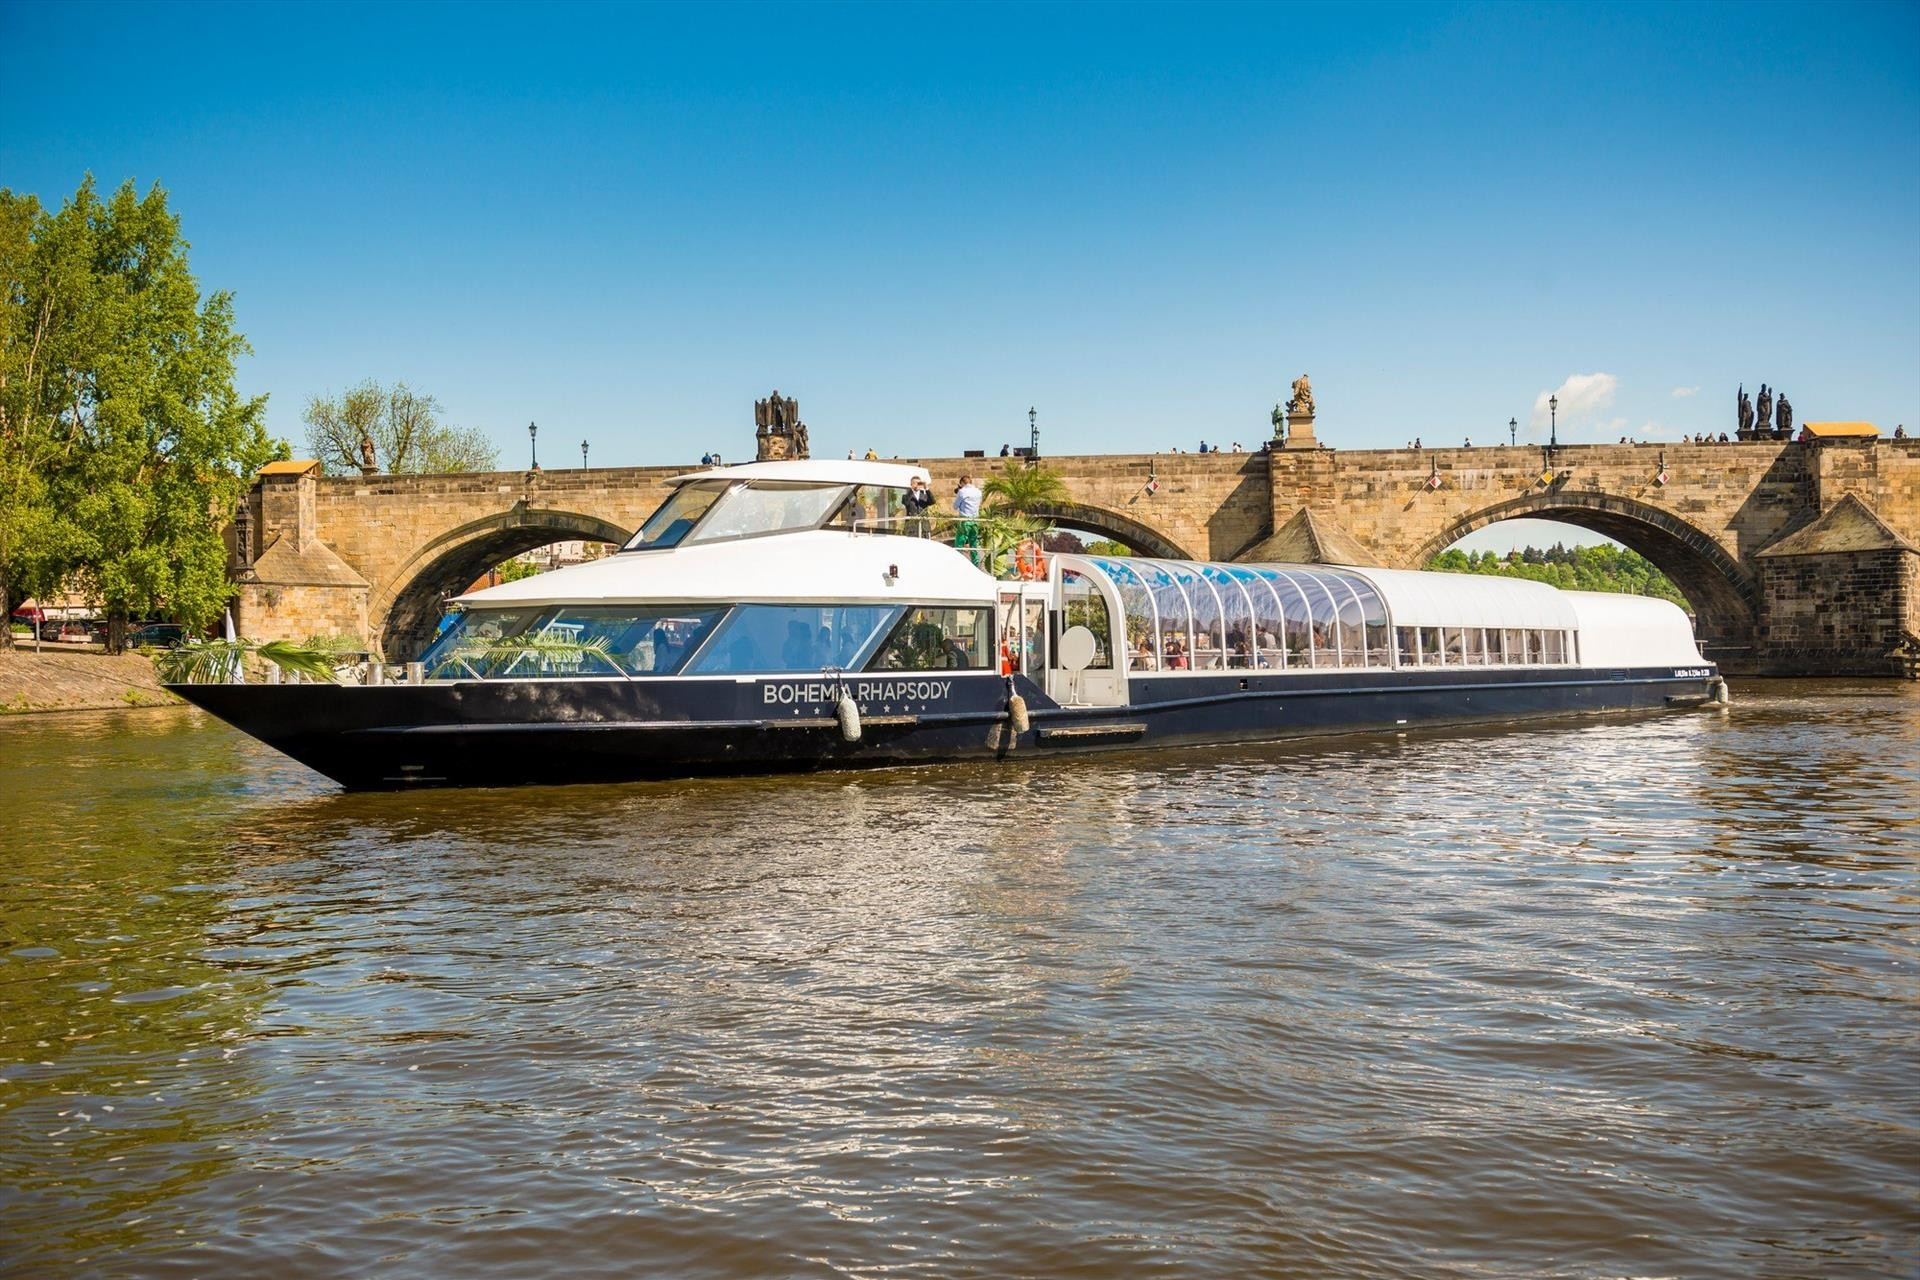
{"points": [[1581, 396], [1681, 393]]}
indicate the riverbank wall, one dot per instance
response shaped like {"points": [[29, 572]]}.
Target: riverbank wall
{"points": [[77, 681]]}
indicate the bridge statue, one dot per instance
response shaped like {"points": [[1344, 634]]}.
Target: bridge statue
{"points": [[1785, 431], [1763, 421], [1301, 406], [778, 432], [1279, 424], [1744, 414]]}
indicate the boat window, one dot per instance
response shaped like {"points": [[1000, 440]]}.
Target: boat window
{"points": [[1268, 622], [1430, 646], [1514, 648], [1374, 614], [674, 517], [1455, 639], [1476, 647], [793, 637], [569, 641], [1326, 620], [937, 639], [1556, 646], [872, 508], [1409, 646], [1353, 625], [1236, 615], [1176, 622], [1136, 604], [1293, 598], [1086, 607], [768, 506], [1206, 649], [1536, 646]]}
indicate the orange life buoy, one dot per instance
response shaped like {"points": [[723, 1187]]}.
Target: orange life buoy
{"points": [[1029, 561]]}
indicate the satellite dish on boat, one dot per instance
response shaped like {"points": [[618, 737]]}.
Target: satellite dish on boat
{"points": [[1076, 648]]}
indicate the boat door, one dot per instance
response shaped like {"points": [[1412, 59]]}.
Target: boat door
{"points": [[1081, 671], [1023, 629]]}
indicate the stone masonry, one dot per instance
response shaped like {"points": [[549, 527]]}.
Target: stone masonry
{"points": [[376, 555]]}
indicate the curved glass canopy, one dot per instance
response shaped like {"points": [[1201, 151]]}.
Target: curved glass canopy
{"points": [[1180, 615]]}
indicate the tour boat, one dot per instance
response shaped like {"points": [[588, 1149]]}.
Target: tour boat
{"points": [[789, 616]]}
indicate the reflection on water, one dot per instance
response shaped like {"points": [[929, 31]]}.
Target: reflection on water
{"points": [[1618, 997]]}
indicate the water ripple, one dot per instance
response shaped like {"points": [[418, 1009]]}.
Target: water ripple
{"points": [[1618, 997]]}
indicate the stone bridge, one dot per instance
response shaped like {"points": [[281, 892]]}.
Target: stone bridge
{"points": [[1795, 557]]}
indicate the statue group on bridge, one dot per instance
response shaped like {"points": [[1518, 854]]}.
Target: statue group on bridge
{"points": [[1756, 422], [777, 430]]}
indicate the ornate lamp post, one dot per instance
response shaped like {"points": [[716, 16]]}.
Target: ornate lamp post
{"points": [[583, 455], [533, 445], [1513, 431], [1033, 435], [1553, 419]]}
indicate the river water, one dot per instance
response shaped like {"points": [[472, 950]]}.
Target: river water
{"points": [[1621, 997]]}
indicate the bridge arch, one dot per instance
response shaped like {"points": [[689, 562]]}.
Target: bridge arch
{"points": [[1723, 592], [1143, 538], [409, 606]]}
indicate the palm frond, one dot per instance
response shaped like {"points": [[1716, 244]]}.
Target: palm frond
{"points": [[1020, 489], [545, 652], [221, 661]]}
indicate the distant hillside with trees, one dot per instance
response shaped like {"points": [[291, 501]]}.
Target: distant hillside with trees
{"points": [[1601, 568]]}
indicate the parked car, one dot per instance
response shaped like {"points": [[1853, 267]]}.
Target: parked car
{"points": [[29, 615], [67, 630], [157, 635]]}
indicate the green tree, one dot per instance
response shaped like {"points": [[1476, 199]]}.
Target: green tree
{"points": [[134, 432], [404, 426], [1600, 568], [29, 534]]}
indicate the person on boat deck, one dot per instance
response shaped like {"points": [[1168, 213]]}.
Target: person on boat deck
{"points": [[918, 501], [966, 505], [1143, 659], [797, 653], [1176, 655]]}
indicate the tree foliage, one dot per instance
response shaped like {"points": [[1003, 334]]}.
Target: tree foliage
{"points": [[1601, 568], [1018, 490], [125, 442], [405, 427]]}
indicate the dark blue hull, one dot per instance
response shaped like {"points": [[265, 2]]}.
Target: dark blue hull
{"points": [[506, 733]]}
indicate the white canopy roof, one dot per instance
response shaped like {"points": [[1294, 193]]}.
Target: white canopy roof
{"points": [[1421, 599], [819, 565], [896, 475], [1632, 631]]}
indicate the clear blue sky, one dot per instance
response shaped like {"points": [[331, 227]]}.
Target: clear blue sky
{"points": [[626, 223]]}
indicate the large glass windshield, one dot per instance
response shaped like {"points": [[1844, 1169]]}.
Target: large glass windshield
{"points": [[562, 641], [670, 523], [764, 506], [793, 637]]}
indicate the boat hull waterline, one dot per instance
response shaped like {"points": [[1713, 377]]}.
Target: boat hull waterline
{"points": [[545, 732]]}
